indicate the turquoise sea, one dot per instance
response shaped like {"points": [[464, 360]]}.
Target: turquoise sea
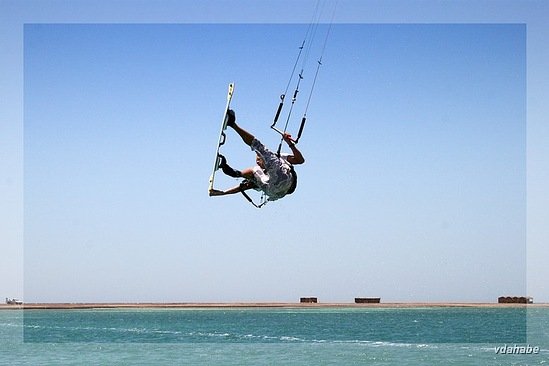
{"points": [[275, 336]]}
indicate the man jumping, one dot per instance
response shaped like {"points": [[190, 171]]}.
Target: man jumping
{"points": [[273, 174]]}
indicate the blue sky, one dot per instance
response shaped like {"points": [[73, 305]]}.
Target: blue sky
{"points": [[414, 189]]}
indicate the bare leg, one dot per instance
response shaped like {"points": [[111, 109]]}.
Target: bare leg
{"points": [[216, 192], [237, 189], [245, 135], [248, 173]]}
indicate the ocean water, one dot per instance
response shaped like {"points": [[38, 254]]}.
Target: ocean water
{"points": [[274, 336]]}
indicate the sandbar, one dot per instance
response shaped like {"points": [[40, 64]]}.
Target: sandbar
{"points": [[177, 305]]}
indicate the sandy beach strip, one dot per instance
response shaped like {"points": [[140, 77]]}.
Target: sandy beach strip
{"points": [[199, 305]]}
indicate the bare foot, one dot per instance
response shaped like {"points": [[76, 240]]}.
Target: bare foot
{"points": [[215, 192]]}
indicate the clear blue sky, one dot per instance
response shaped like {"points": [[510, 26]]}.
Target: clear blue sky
{"points": [[414, 189]]}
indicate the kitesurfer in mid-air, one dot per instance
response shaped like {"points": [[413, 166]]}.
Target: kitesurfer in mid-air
{"points": [[273, 174]]}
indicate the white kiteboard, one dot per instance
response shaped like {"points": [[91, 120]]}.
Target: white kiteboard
{"points": [[222, 137]]}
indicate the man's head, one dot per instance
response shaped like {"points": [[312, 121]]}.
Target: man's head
{"points": [[294, 182]]}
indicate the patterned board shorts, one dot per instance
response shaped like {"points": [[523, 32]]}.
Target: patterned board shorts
{"points": [[276, 178]]}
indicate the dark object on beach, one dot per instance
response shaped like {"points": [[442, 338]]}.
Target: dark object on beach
{"points": [[367, 300], [13, 301], [308, 300], [515, 300]]}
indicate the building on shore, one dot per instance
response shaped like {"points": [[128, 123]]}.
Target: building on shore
{"points": [[515, 300], [367, 300], [13, 301], [308, 300]]}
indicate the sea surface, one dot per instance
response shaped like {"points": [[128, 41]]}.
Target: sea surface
{"points": [[275, 336]]}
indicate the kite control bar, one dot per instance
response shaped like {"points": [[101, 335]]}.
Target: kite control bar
{"points": [[301, 127]]}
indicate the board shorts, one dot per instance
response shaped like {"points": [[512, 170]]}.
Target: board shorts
{"points": [[276, 179]]}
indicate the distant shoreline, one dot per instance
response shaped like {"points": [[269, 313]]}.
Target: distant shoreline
{"points": [[256, 305]]}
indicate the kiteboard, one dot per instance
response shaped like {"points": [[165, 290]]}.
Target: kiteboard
{"points": [[222, 137]]}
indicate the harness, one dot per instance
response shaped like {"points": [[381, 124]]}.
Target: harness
{"points": [[247, 184]]}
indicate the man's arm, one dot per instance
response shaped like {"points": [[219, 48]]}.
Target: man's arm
{"points": [[296, 157]]}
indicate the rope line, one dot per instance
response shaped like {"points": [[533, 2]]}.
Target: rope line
{"points": [[319, 62], [307, 44]]}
